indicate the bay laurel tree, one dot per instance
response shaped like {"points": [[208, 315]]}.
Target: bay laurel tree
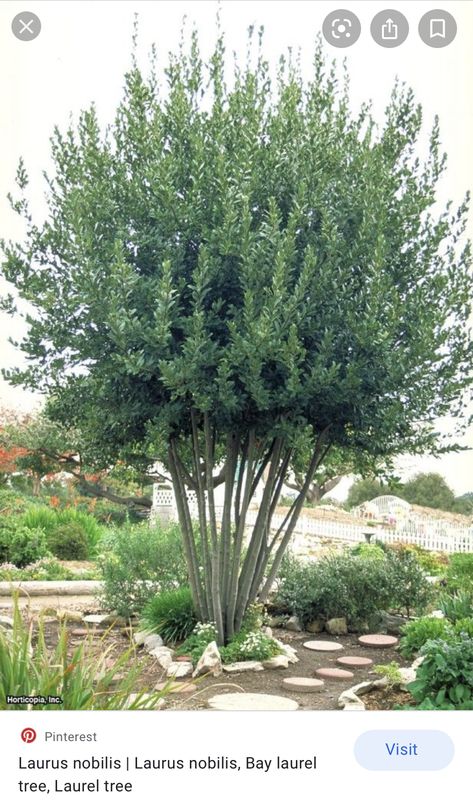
{"points": [[235, 259]]}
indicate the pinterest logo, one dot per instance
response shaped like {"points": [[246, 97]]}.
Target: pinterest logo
{"points": [[28, 735]]}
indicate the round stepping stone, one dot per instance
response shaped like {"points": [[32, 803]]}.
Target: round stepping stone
{"points": [[355, 661], [299, 684], [251, 702], [378, 641], [334, 673], [177, 687], [320, 645]]}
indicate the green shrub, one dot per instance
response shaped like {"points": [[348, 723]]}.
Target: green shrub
{"points": [[40, 516], [445, 677], [416, 633], [459, 574], [45, 569], [411, 590], [139, 562], [87, 679], [464, 626], [171, 615], [20, 545], [457, 606], [69, 542], [12, 502], [354, 587], [369, 551]]}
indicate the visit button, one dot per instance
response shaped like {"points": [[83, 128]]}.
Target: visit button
{"points": [[405, 750]]}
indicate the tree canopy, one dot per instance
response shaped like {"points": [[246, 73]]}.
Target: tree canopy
{"points": [[233, 260]]}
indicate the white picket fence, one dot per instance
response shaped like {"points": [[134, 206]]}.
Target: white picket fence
{"points": [[435, 535]]}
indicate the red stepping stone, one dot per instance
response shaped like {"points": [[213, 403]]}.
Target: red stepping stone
{"points": [[378, 641], [299, 684], [355, 661], [324, 647], [334, 673]]}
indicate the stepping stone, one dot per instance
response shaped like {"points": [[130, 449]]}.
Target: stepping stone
{"points": [[355, 661], [378, 641], [303, 684], [334, 673], [251, 702], [177, 688], [320, 645]]}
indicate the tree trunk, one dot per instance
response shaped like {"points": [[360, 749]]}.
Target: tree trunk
{"points": [[222, 585]]}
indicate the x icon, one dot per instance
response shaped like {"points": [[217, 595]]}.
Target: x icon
{"points": [[25, 26]]}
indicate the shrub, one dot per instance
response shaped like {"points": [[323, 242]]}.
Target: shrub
{"points": [[50, 520], [431, 563], [45, 569], [171, 615], [464, 626], [411, 590], [355, 587], [85, 680], [457, 606], [202, 635], [12, 502], [445, 677], [459, 574], [69, 542], [391, 672], [141, 561], [418, 632], [368, 551], [20, 545]]}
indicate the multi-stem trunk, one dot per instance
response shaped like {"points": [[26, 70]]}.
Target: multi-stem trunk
{"points": [[228, 562]]}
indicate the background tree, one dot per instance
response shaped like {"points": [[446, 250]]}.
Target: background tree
{"points": [[230, 263]]}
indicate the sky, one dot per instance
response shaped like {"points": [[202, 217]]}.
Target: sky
{"points": [[84, 49]]}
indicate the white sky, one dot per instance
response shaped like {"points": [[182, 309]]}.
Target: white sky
{"points": [[83, 51]]}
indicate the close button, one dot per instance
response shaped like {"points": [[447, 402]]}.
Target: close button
{"points": [[404, 750]]}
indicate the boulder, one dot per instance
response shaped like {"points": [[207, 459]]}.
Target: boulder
{"points": [[139, 637], [209, 662], [152, 641], [277, 621], [293, 624], [288, 651], [408, 675], [281, 660], [179, 669], [336, 626], [240, 667], [163, 656], [393, 623]]}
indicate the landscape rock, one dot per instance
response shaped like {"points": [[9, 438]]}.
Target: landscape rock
{"points": [[288, 651], [354, 706], [163, 656], [315, 626], [281, 660], [240, 667], [209, 662], [267, 631], [417, 662], [278, 621], [179, 669], [336, 626], [293, 624], [393, 623], [139, 637], [408, 675], [152, 641], [6, 622], [251, 702]]}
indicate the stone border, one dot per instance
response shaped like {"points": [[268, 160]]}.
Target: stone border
{"points": [[38, 588], [349, 700]]}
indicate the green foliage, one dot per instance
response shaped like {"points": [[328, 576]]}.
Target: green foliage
{"points": [[21, 545], [445, 677], [249, 645], [416, 633], [411, 590], [432, 563], [391, 672], [457, 606], [355, 587], [84, 678], [13, 502], [69, 542], [140, 561], [170, 614], [459, 574], [464, 626], [369, 551], [429, 489], [51, 520], [195, 644], [364, 490]]}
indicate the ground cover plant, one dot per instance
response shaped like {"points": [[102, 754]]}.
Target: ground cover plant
{"points": [[444, 680], [171, 614]]}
